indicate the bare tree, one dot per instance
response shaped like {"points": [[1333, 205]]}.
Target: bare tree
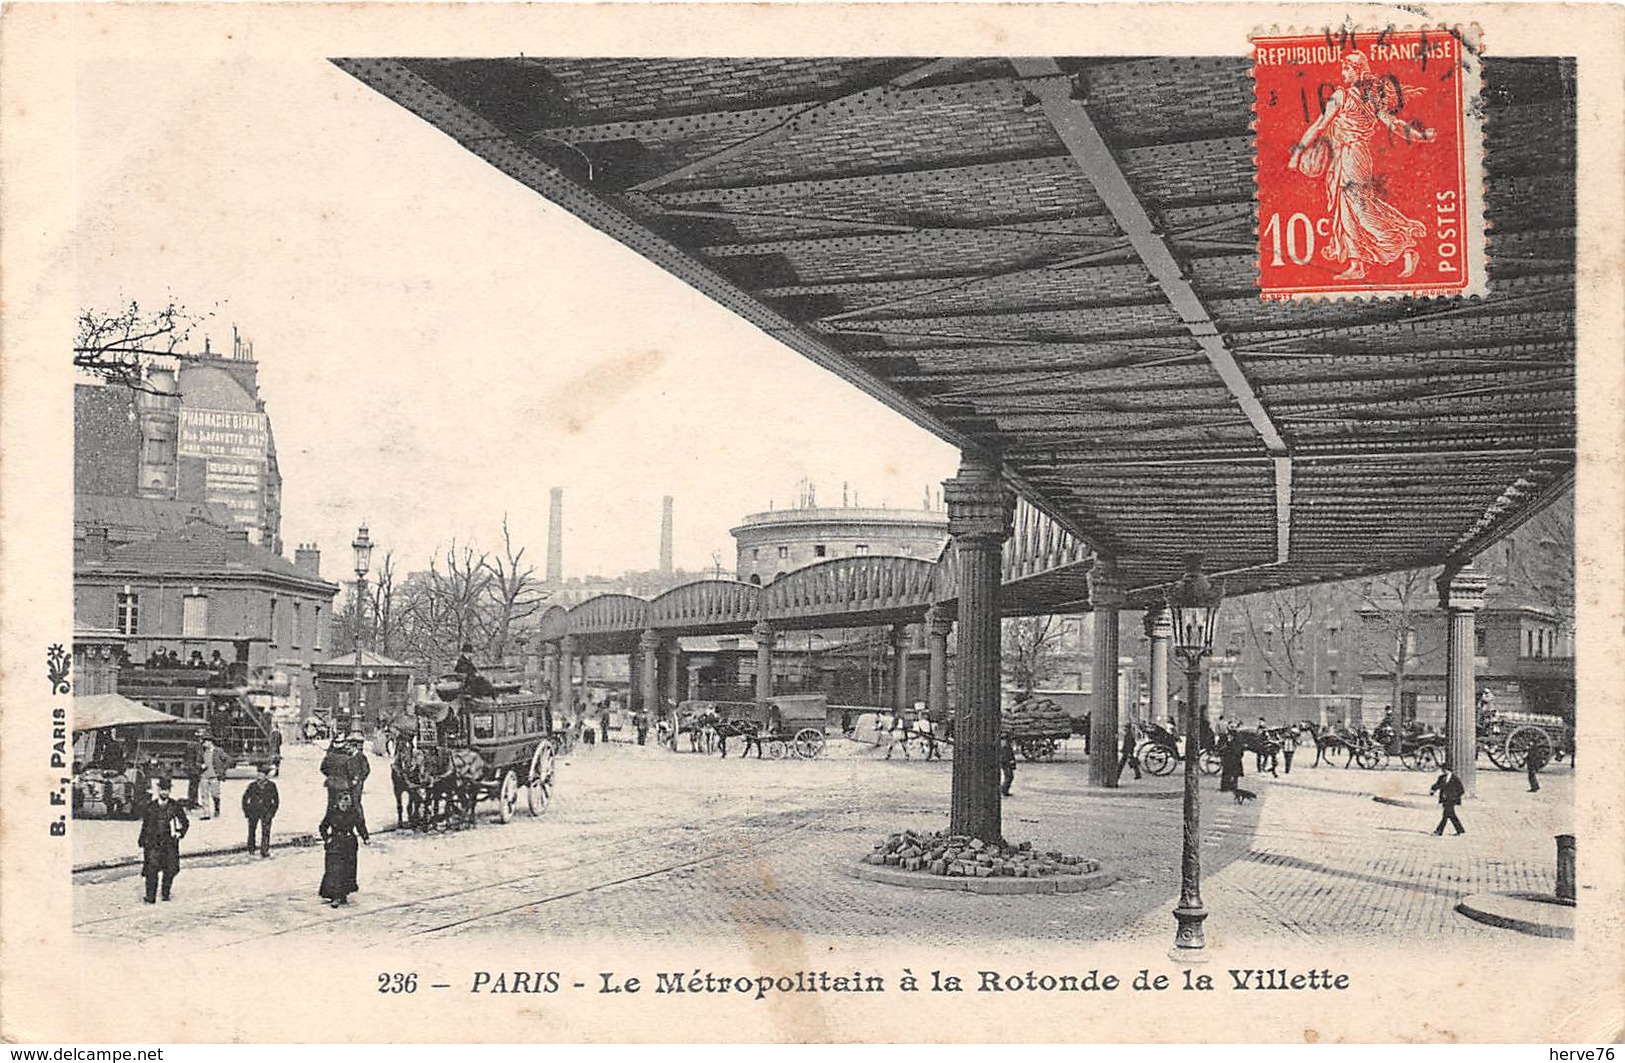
{"points": [[118, 346], [1280, 626], [1030, 649], [1392, 606], [514, 593], [1539, 560], [385, 609]]}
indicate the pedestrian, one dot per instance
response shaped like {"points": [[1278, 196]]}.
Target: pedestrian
{"points": [[641, 722], [339, 830], [360, 768], [1206, 731], [1007, 764], [897, 733], [276, 750], [1535, 761], [1129, 759], [1232, 768], [163, 825], [211, 765], [1450, 790], [260, 802], [1289, 746], [927, 730], [603, 725]]}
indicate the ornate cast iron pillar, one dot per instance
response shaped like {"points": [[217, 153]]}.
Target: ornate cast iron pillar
{"points": [[1159, 629], [763, 634], [938, 622], [564, 696], [1461, 594], [1107, 598], [674, 675], [979, 514], [649, 688], [899, 667], [1193, 605]]}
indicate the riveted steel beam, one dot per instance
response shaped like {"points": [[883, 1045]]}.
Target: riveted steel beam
{"points": [[1082, 138]]}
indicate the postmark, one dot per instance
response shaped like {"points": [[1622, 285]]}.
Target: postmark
{"points": [[1369, 164]]}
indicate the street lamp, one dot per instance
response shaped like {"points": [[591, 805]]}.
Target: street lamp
{"points": [[363, 559], [1193, 605]]}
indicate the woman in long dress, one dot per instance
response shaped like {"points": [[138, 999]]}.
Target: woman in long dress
{"points": [[339, 830], [1366, 229]]}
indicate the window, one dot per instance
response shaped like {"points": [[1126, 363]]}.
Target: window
{"points": [[820, 551], [316, 627], [1480, 642], [273, 622], [195, 616], [129, 612], [483, 725], [1331, 674], [1269, 681], [784, 551], [755, 553], [860, 548], [294, 638]]}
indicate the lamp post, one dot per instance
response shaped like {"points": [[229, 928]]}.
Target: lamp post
{"points": [[363, 558], [1193, 605]]}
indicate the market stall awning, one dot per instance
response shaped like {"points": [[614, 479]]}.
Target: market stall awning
{"points": [[91, 711], [1054, 262]]}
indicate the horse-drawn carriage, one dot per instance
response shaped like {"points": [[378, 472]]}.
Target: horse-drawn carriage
{"points": [[785, 725], [1508, 738], [464, 747]]}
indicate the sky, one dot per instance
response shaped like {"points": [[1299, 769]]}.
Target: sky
{"points": [[439, 345]]}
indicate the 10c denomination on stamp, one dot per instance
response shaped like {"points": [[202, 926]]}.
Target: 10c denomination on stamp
{"points": [[1369, 164]]}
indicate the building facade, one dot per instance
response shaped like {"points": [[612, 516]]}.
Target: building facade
{"points": [[199, 434], [206, 593], [772, 544]]}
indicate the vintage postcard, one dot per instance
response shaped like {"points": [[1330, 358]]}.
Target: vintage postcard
{"points": [[708, 523]]}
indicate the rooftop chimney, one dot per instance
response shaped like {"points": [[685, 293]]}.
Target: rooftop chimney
{"points": [[308, 559], [555, 536], [665, 536]]}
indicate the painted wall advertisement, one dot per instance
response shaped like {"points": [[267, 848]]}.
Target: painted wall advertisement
{"points": [[233, 446]]}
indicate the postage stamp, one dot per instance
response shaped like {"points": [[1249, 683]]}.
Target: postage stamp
{"points": [[1369, 164]]}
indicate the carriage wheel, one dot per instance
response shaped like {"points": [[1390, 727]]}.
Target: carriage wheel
{"points": [[1157, 760], [1521, 742], [809, 742], [1428, 758], [776, 749], [1408, 758], [1210, 762], [508, 795], [1037, 748], [1367, 758], [539, 781]]}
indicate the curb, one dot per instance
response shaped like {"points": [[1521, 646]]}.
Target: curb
{"points": [[985, 886], [299, 840], [1536, 914]]}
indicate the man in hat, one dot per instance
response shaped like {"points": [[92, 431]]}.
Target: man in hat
{"points": [[163, 825], [1450, 790], [260, 803]]}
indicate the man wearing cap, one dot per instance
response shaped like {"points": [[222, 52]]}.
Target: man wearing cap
{"points": [[163, 825], [260, 803]]}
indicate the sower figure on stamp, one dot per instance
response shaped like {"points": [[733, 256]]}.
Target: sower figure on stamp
{"points": [[163, 825], [1366, 229], [260, 802], [1450, 790]]}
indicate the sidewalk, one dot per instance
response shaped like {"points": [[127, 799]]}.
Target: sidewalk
{"points": [[106, 843]]}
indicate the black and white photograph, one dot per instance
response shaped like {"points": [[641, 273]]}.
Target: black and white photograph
{"points": [[800, 523]]}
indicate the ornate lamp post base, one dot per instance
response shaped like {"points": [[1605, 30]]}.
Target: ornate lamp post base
{"points": [[1190, 943]]}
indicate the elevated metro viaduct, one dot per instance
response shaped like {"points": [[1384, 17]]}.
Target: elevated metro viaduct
{"points": [[1052, 263]]}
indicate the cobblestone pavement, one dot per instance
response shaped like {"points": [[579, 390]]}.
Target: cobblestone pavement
{"points": [[673, 848]]}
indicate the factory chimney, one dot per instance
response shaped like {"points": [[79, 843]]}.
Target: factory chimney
{"points": [[555, 536], [665, 536]]}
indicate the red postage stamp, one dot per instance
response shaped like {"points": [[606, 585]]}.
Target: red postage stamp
{"points": [[1369, 164]]}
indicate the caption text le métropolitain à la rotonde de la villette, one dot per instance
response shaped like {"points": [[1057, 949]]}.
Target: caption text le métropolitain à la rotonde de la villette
{"points": [[702, 982]]}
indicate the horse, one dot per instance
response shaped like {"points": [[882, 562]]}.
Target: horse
{"points": [[456, 790], [749, 730], [1333, 740], [406, 776]]}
